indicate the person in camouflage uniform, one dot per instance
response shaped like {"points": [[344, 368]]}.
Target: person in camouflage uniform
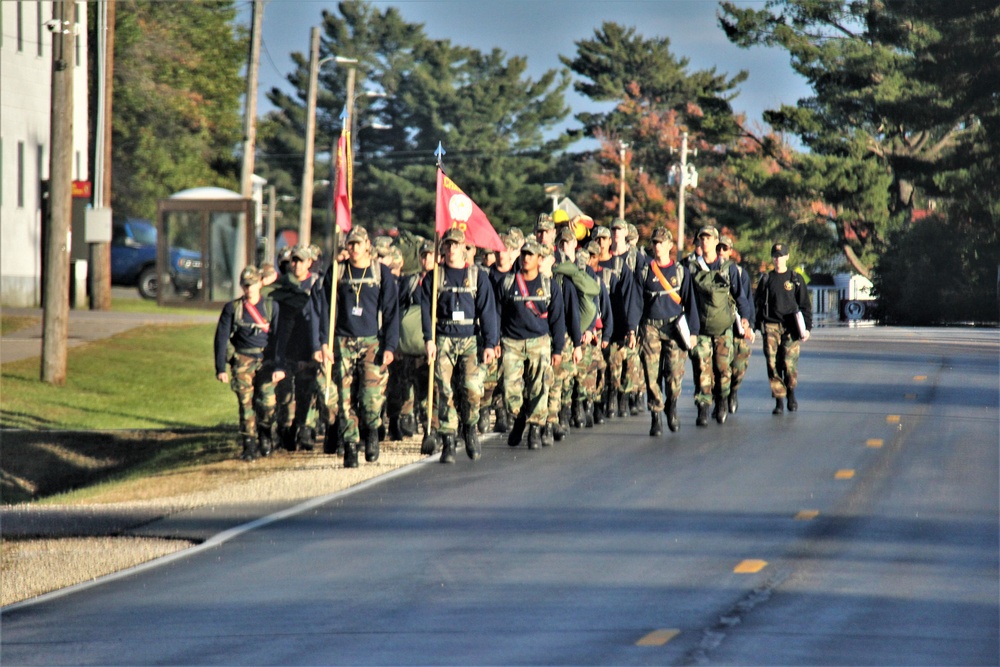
{"points": [[669, 328], [407, 384], [742, 345], [366, 334], [493, 379], [596, 368], [244, 337], [717, 288], [465, 306], [626, 303], [531, 317], [784, 316]]}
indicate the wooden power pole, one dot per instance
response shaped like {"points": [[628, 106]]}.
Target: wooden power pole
{"points": [[100, 253], [309, 164], [55, 312], [250, 108]]}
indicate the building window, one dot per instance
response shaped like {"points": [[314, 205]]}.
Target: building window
{"points": [[41, 27], [20, 174], [40, 174], [76, 40], [20, 26]]}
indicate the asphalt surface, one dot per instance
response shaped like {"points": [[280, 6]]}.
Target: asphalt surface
{"points": [[862, 529]]}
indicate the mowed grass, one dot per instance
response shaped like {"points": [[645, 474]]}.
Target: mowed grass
{"points": [[160, 377]]}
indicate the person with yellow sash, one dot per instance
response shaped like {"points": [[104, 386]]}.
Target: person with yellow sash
{"points": [[668, 329]]}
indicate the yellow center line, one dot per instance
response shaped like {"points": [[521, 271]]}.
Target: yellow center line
{"points": [[750, 566], [892, 419], [658, 637], [919, 378], [806, 515], [875, 442], [844, 474]]}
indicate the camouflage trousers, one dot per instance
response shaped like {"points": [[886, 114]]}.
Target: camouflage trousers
{"points": [[407, 385], [663, 360], [712, 361], [457, 368], [250, 380], [492, 384], [561, 384], [741, 360], [526, 364], [590, 377], [357, 371], [781, 349], [624, 368]]}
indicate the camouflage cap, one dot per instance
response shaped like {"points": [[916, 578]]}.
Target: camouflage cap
{"points": [[285, 254], [779, 250], [453, 235], [661, 234], [532, 247], [566, 235], [708, 230], [593, 248], [618, 223], [383, 246], [601, 232], [726, 241], [301, 252], [315, 251], [356, 235], [396, 256], [545, 223], [546, 250], [426, 247], [633, 233], [249, 276], [513, 239]]}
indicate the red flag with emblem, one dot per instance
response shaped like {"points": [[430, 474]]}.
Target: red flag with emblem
{"points": [[342, 202], [456, 209]]}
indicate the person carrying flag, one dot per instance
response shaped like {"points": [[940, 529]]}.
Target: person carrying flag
{"points": [[531, 317], [465, 305], [366, 334], [668, 329]]}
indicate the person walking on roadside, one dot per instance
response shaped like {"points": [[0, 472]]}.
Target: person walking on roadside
{"points": [[465, 305], [670, 327], [742, 345], [531, 317], [366, 334], [717, 289], [784, 317], [245, 337]]}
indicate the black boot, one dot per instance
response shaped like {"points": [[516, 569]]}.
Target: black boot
{"points": [[599, 413], [501, 424], [484, 421], [534, 436], [564, 419], [611, 405], [304, 438], [577, 418], [779, 407], [588, 414], [265, 441], [703, 409], [673, 422], [623, 409], [371, 446], [721, 410], [472, 447], [447, 448], [249, 448], [633, 403], [547, 438], [656, 426], [516, 430], [429, 444], [395, 435], [331, 441], [350, 455], [793, 405], [734, 402], [287, 434], [407, 426]]}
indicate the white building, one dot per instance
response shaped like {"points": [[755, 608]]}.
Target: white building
{"points": [[25, 98]]}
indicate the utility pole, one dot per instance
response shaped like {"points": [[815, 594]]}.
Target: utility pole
{"points": [[55, 313], [250, 108], [272, 214], [305, 212], [99, 272], [681, 187], [621, 198]]}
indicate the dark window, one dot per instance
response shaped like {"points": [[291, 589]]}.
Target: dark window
{"points": [[20, 174]]}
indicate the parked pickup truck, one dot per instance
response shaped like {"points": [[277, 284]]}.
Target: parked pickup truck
{"points": [[133, 260]]}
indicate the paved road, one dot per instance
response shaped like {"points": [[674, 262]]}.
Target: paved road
{"points": [[861, 530]]}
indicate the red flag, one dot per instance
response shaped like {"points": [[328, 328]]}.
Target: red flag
{"points": [[342, 202], [456, 209]]}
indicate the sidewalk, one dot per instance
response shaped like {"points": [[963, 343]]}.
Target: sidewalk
{"points": [[85, 326]]}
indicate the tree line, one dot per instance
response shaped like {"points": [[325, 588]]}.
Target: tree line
{"points": [[896, 180]]}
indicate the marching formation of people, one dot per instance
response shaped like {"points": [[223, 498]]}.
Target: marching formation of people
{"points": [[544, 336]]}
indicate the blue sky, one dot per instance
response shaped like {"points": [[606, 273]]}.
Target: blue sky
{"points": [[542, 30]]}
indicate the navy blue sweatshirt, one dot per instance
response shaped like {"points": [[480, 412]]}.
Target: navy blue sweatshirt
{"points": [[295, 342], [360, 302], [626, 297], [517, 319], [459, 310], [658, 304], [246, 336]]}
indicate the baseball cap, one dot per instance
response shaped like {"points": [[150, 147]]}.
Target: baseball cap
{"points": [[618, 223], [453, 235], [726, 241], [532, 247], [593, 248], [545, 223], [301, 252], [426, 247], [513, 239], [602, 233], [383, 246], [779, 250], [633, 233], [566, 234], [249, 276], [661, 234], [357, 234], [709, 230]]}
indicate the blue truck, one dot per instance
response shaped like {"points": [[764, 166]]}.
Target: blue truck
{"points": [[133, 260]]}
